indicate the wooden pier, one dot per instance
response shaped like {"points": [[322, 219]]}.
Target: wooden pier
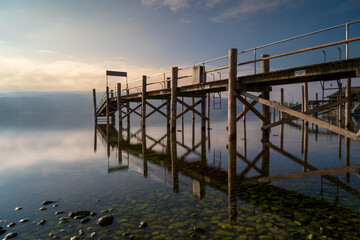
{"points": [[238, 88]]}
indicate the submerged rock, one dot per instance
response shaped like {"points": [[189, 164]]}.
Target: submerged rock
{"points": [[18, 208], [48, 202], [42, 222], [93, 234], [2, 231], [93, 214], [81, 232], [62, 222], [105, 220], [10, 235], [85, 220], [75, 238], [143, 224], [60, 212], [10, 225], [42, 208], [55, 205], [24, 220], [199, 230], [79, 213]]}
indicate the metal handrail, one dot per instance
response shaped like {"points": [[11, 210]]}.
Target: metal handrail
{"points": [[249, 50]]}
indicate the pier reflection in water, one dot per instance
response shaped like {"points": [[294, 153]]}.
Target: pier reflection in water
{"points": [[271, 178]]}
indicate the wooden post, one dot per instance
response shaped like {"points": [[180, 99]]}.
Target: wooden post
{"points": [[94, 102], [317, 99], [208, 109], [302, 99], [119, 108], [282, 103], [231, 93], [306, 97], [174, 84], [347, 157], [107, 105], [305, 144], [340, 105], [143, 102], [265, 67], [348, 85], [203, 112]]}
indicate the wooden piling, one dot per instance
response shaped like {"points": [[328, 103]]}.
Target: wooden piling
{"points": [[143, 102], [119, 108], [306, 97], [173, 101], [302, 99], [265, 67], [107, 105], [281, 102], [94, 102], [340, 105], [203, 112], [231, 93]]}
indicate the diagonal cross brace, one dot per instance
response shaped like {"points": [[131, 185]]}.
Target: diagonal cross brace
{"points": [[192, 108], [243, 113], [329, 126], [313, 111], [156, 109], [249, 106], [132, 111]]}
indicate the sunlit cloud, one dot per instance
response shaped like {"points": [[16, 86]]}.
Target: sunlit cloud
{"points": [[44, 51], [20, 73], [249, 7], [174, 5], [213, 3], [184, 20]]}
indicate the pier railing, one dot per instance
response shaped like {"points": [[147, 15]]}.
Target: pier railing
{"points": [[159, 81]]}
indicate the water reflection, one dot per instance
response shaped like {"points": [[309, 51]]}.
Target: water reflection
{"points": [[245, 179]]}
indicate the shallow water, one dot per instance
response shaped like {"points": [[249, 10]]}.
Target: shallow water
{"points": [[197, 194]]}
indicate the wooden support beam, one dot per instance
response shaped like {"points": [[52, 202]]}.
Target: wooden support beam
{"points": [[191, 108], [94, 102], [132, 111], [156, 109], [174, 100], [119, 110], [305, 117], [314, 111], [246, 109], [281, 102], [231, 94], [265, 67], [248, 105], [107, 105], [143, 102]]}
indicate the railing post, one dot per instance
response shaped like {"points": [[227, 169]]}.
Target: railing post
{"points": [[119, 108], [174, 84], [94, 102], [143, 102], [340, 105], [107, 105], [231, 93]]}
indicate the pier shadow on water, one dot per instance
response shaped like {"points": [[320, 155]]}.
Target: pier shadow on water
{"points": [[301, 184]]}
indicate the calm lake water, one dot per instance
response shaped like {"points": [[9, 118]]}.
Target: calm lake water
{"points": [[297, 186]]}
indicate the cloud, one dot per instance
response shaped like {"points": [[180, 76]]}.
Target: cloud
{"points": [[249, 7], [213, 3], [174, 5], [44, 51], [20, 73], [184, 20]]}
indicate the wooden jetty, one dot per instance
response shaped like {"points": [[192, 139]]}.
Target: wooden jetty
{"points": [[238, 88]]}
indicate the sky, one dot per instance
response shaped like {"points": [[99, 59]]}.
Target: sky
{"points": [[67, 45]]}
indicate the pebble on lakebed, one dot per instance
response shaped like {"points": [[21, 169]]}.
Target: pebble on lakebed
{"points": [[18, 208], [10, 225], [10, 235], [48, 202], [105, 220]]}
